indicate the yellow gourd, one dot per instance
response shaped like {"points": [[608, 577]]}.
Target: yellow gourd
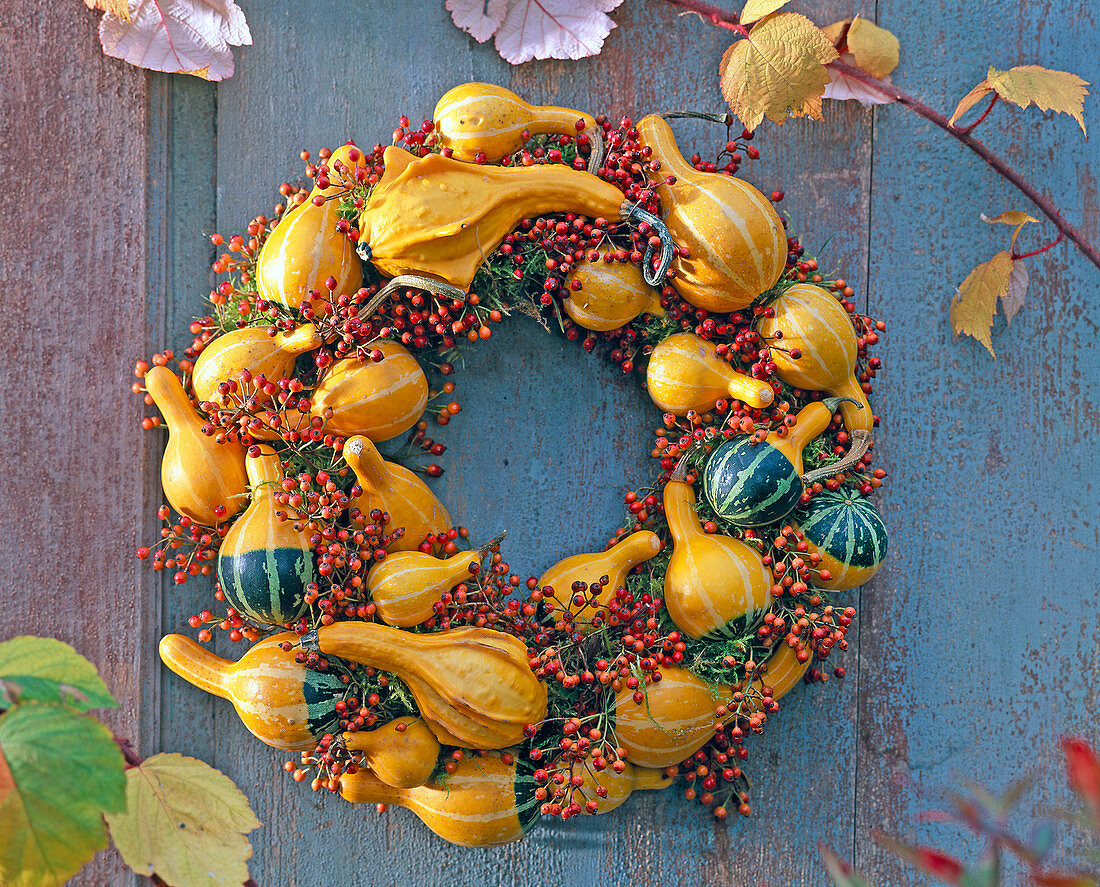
{"points": [[483, 803], [280, 701], [712, 580], [815, 323], [397, 490], [614, 563], [473, 686], [265, 564], [402, 753], [735, 239], [685, 373], [610, 295], [483, 118], [378, 400], [441, 217], [252, 349], [197, 474], [305, 249], [620, 785]]}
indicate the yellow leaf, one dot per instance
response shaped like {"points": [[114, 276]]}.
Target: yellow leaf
{"points": [[875, 49], [1049, 90], [975, 304], [1010, 217], [185, 821], [120, 8], [757, 9], [836, 31], [969, 100], [779, 67]]}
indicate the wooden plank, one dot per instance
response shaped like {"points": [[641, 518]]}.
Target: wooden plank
{"points": [[81, 300], [980, 641]]}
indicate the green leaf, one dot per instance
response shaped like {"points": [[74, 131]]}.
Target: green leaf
{"points": [[48, 670], [65, 772], [185, 821]]}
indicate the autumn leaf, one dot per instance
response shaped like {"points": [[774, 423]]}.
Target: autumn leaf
{"points": [[1048, 90], [120, 8], [554, 29], [757, 9], [842, 874], [927, 859], [48, 670], [1016, 292], [65, 772], [874, 49], [843, 86], [779, 67], [1083, 770], [1061, 879], [185, 821], [1012, 217], [478, 18], [177, 36], [975, 303]]}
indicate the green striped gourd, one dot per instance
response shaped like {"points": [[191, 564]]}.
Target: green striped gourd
{"points": [[264, 564], [755, 484], [846, 530]]}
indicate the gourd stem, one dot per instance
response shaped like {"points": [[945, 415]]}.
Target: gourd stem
{"points": [[861, 442], [724, 119], [655, 276], [167, 392], [595, 159], [404, 281], [195, 664]]}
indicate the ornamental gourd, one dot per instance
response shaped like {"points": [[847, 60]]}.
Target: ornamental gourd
{"points": [[813, 322], [482, 118], [604, 296], [227, 357], [848, 534], [590, 569], [737, 247], [199, 475], [378, 400], [714, 583], [305, 249], [397, 491], [280, 701], [402, 753], [751, 484], [264, 563], [473, 686], [484, 802], [440, 217], [685, 373]]}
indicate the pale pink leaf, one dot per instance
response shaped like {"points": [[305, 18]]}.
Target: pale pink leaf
{"points": [[478, 18], [178, 36], [842, 86], [1012, 299], [554, 29]]}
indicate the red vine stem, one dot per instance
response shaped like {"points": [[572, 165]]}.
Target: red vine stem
{"points": [[728, 20]]}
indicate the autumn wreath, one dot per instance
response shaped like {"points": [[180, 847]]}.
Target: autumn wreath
{"points": [[406, 665]]}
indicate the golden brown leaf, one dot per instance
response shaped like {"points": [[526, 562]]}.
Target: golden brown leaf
{"points": [[975, 304], [119, 8], [875, 49], [756, 9], [969, 100], [1010, 217], [1048, 90], [836, 31], [1013, 299], [778, 68]]}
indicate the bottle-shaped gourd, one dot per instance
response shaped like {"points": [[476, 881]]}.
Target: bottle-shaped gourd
{"points": [[814, 322], [590, 569], [280, 701], [685, 373], [378, 400], [264, 563], [484, 802], [395, 489], [198, 475], [406, 585], [441, 217], [714, 584], [752, 484], [848, 534], [305, 249], [482, 118], [402, 753], [473, 686], [251, 349], [609, 295], [737, 247]]}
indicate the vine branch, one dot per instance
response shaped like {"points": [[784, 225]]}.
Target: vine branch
{"points": [[1045, 205]]}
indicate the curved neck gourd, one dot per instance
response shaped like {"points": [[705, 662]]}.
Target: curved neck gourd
{"points": [[202, 479], [402, 753], [812, 420], [406, 585], [227, 357], [482, 118], [685, 373]]}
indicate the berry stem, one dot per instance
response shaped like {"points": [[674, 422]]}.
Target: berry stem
{"points": [[985, 113], [1042, 249]]}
